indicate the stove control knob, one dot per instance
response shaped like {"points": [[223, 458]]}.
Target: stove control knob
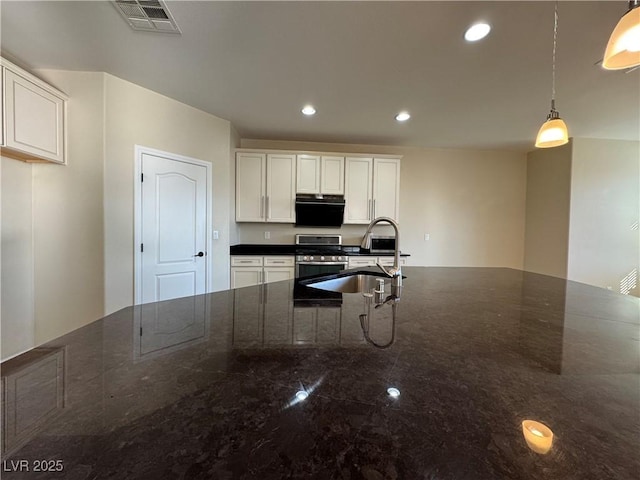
{"points": [[341, 259], [321, 258], [333, 259], [311, 258], [305, 258]]}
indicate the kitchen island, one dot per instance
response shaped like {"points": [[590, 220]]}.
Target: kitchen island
{"points": [[277, 381]]}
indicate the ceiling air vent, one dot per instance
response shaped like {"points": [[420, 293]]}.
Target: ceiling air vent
{"points": [[147, 15]]}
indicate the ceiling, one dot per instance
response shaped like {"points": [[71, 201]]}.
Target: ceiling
{"points": [[257, 64]]}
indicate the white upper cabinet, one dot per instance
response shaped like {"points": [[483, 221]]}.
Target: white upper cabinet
{"points": [[308, 174], [372, 189], [251, 174], [281, 188], [34, 117], [320, 174], [332, 175], [265, 187], [358, 193], [386, 188]]}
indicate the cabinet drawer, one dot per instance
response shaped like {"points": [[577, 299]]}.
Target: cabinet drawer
{"points": [[388, 261], [361, 261], [279, 261], [245, 261]]}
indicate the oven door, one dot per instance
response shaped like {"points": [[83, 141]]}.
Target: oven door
{"points": [[308, 269]]}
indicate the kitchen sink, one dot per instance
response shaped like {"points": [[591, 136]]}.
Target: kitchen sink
{"points": [[355, 283]]}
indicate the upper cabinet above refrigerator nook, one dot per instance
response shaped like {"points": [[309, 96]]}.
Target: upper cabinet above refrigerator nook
{"points": [[318, 174], [33, 114]]}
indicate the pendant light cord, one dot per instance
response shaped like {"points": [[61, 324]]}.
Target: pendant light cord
{"points": [[553, 68]]}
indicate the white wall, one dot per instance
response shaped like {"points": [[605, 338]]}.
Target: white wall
{"points": [[18, 327], [547, 215], [471, 202], [135, 115], [603, 233]]}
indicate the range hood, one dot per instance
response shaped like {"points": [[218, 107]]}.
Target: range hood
{"points": [[319, 210]]}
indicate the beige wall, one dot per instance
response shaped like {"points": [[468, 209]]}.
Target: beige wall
{"points": [[135, 115], [52, 231], [603, 235], [470, 202], [18, 328], [67, 215], [547, 211]]}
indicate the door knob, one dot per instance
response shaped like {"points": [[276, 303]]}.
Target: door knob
{"points": [[199, 254]]}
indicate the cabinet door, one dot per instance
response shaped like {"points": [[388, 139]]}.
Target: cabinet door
{"points": [[251, 176], [245, 276], [386, 188], [332, 175], [34, 119], [2, 106], [277, 274], [281, 188], [358, 190], [308, 174]]}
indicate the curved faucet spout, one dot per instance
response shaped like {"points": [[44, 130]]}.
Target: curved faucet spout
{"points": [[395, 271]]}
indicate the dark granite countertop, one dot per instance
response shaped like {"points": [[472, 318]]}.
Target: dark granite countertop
{"points": [[205, 387], [292, 249]]}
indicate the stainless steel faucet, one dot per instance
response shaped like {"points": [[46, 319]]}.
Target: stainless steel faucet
{"points": [[395, 271]]}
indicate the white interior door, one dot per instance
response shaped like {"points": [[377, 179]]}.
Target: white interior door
{"points": [[173, 228]]}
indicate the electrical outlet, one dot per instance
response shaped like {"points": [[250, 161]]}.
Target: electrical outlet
{"points": [[267, 235], [216, 235], [426, 237]]}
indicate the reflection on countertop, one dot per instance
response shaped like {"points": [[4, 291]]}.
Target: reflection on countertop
{"points": [[266, 382]]}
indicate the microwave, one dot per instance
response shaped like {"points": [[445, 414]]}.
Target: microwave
{"points": [[383, 244]]}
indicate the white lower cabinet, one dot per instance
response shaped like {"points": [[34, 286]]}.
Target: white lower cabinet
{"points": [[370, 261], [250, 270]]}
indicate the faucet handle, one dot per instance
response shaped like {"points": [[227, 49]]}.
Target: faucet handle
{"points": [[384, 270]]}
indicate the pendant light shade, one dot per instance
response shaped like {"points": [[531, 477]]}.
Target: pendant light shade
{"points": [[553, 132], [623, 49]]}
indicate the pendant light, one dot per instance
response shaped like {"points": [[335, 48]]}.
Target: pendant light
{"points": [[553, 131], [623, 49]]}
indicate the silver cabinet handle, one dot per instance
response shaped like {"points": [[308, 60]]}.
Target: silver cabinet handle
{"points": [[268, 214], [369, 209], [374, 209], [262, 207]]}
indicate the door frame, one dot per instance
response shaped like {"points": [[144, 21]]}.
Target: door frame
{"points": [[137, 234]]}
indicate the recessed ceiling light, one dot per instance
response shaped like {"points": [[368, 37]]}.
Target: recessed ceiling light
{"points": [[477, 32], [309, 110], [403, 116]]}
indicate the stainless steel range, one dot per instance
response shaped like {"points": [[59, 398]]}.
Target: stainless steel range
{"points": [[319, 254]]}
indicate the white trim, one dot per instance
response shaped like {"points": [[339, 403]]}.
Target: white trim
{"points": [[137, 216]]}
